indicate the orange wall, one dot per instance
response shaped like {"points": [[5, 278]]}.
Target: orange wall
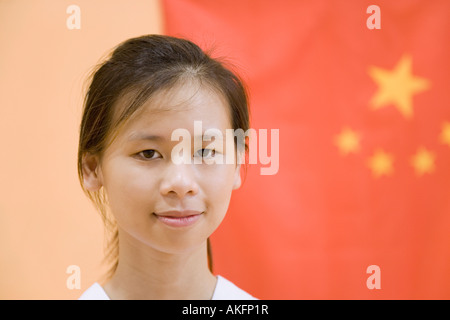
{"points": [[46, 222]]}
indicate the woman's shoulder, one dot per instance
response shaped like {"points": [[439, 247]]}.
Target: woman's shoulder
{"points": [[226, 290], [94, 292]]}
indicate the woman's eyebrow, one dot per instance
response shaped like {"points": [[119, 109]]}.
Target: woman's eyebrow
{"points": [[209, 137], [135, 137]]}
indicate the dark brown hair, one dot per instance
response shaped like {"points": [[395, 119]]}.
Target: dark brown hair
{"points": [[140, 67]]}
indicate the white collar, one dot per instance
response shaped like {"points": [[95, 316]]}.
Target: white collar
{"points": [[224, 290]]}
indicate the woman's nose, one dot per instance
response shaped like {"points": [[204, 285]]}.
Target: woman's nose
{"points": [[179, 180]]}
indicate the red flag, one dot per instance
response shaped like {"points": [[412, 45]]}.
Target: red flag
{"points": [[360, 205]]}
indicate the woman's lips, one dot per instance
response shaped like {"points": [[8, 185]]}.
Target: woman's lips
{"points": [[178, 218]]}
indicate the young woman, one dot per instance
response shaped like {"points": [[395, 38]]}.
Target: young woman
{"points": [[159, 213]]}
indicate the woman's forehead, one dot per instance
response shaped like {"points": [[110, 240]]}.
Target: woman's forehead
{"points": [[179, 107], [186, 96]]}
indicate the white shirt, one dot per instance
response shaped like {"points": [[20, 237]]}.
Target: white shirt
{"points": [[225, 290]]}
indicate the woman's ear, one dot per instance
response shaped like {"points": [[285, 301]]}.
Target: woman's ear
{"points": [[240, 158], [92, 177], [237, 177]]}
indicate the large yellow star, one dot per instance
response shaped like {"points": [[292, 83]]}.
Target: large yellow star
{"points": [[445, 134], [423, 161], [381, 163], [397, 87], [347, 141]]}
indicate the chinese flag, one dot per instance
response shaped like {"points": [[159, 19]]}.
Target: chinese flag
{"points": [[360, 205]]}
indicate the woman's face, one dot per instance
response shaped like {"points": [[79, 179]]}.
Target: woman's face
{"points": [[170, 207]]}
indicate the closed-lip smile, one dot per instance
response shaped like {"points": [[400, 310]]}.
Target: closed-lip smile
{"points": [[178, 218]]}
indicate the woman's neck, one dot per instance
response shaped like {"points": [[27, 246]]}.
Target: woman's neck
{"points": [[146, 273]]}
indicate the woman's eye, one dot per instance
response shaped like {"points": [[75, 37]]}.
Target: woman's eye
{"points": [[207, 153], [149, 154]]}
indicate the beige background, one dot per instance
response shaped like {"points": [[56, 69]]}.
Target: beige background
{"points": [[46, 222]]}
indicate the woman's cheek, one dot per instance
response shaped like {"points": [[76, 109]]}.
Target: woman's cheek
{"points": [[131, 189]]}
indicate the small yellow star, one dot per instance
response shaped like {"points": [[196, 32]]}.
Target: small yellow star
{"points": [[423, 161], [381, 163], [347, 141], [397, 87], [445, 134]]}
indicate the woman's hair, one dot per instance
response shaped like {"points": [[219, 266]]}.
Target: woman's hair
{"points": [[139, 68]]}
